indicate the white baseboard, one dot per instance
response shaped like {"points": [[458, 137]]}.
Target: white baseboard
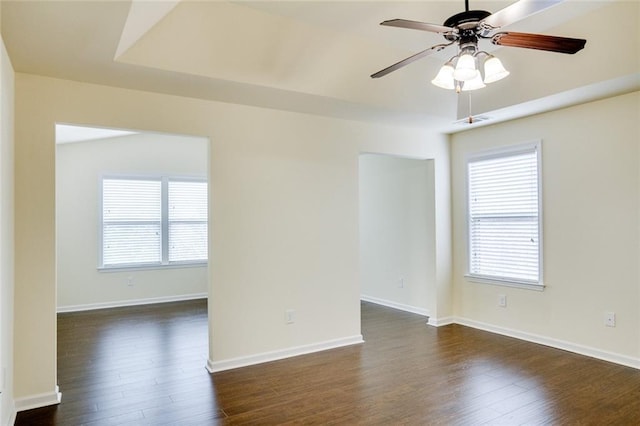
{"points": [[215, 366], [554, 343], [395, 305], [439, 322], [132, 302], [39, 400]]}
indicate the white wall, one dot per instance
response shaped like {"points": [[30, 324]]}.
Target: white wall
{"points": [[397, 231], [283, 219], [7, 410], [591, 216], [79, 168]]}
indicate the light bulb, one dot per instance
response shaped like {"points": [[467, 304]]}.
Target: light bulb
{"points": [[494, 70], [444, 78], [465, 68], [474, 84]]}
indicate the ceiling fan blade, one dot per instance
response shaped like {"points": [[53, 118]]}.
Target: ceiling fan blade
{"points": [[516, 12], [539, 41], [415, 25], [409, 60]]}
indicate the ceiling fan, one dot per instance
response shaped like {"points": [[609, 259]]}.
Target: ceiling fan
{"points": [[466, 28]]}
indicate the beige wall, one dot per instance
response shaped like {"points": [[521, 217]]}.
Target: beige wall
{"points": [[6, 237], [79, 168], [283, 214], [590, 184], [397, 231], [284, 221]]}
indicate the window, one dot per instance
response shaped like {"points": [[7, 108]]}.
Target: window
{"points": [[504, 216], [187, 221], [153, 222]]}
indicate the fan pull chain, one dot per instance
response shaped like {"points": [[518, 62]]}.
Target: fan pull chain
{"points": [[470, 116]]}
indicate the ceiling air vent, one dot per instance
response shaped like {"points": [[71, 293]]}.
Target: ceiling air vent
{"points": [[472, 120]]}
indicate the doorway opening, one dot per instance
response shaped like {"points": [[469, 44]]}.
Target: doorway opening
{"points": [[119, 258], [87, 158], [397, 232]]}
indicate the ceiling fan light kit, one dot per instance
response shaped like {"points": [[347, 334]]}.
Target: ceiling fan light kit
{"points": [[461, 73]]}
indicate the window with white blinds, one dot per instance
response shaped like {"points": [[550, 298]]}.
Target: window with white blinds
{"points": [[504, 216], [153, 222], [187, 221]]}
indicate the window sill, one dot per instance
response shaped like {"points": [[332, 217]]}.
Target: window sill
{"points": [[505, 283], [151, 267]]}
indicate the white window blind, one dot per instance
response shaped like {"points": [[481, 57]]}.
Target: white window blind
{"points": [[153, 222], [187, 221], [132, 224], [504, 219]]}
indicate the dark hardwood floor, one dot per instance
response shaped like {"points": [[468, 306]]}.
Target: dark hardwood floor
{"points": [[145, 366]]}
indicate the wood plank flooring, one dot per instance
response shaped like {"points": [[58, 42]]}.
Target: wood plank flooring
{"points": [[145, 366]]}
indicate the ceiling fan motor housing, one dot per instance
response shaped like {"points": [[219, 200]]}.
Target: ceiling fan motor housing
{"points": [[466, 22]]}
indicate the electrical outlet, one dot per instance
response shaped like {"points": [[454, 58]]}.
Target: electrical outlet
{"points": [[130, 281], [289, 316], [610, 319], [401, 282], [502, 300]]}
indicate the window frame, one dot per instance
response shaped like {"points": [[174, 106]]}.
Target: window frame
{"points": [[164, 224], [502, 152]]}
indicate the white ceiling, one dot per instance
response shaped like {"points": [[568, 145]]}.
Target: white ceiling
{"points": [[316, 56], [66, 133]]}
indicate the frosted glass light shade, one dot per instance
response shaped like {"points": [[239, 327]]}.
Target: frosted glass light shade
{"points": [[444, 78], [494, 70], [475, 83], [465, 68]]}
